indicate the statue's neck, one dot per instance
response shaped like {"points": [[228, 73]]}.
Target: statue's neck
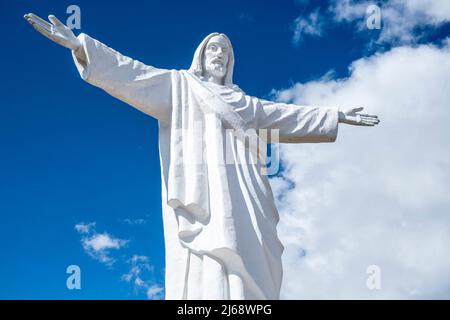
{"points": [[213, 79]]}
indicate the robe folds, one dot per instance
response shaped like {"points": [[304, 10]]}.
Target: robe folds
{"points": [[219, 212]]}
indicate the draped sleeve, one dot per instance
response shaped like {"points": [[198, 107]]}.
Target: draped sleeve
{"points": [[297, 124], [146, 88]]}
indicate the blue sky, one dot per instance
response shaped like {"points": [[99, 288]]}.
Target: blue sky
{"points": [[72, 154]]}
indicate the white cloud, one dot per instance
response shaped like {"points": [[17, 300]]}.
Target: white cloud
{"points": [[155, 292], [104, 241], [378, 196], [402, 20], [311, 25], [348, 10], [99, 245], [437, 11], [84, 227], [139, 267]]}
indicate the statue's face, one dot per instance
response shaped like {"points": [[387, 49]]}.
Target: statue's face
{"points": [[215, 57]]}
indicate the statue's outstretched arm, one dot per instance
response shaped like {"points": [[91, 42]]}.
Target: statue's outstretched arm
{"points": [[300, 124], [146, 88]]}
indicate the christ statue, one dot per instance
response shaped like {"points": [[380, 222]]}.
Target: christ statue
{"points": [[219, 214]]}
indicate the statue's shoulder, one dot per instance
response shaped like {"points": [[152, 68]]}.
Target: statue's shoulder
{"points": [[236, 88]]}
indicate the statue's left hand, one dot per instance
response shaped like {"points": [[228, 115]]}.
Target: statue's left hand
{"points": [[353, 117]]}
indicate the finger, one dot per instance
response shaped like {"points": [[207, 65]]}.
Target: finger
{"points": [[41, 26], [55, 21], [370, 123], [358, 109], [43, 31], [370, 119], [39, 19], [45, 26], [368, 115]]}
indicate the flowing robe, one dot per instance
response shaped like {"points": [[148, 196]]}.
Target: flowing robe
{"points": [[219, 212]]}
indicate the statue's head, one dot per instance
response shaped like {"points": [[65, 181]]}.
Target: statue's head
{"points": [[214, 57]]}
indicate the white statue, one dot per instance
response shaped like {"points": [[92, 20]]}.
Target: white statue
{"points": [[218, 209]]}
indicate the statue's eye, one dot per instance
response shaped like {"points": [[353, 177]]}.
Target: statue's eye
{"points": [[213, 47]]}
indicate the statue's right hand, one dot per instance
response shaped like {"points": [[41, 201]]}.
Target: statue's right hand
{"points": [[55, 31]]}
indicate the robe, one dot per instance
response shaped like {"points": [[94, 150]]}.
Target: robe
{"points": [[219, 213]]}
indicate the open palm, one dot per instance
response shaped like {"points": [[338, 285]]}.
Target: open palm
{"points": [[354, 117], [55, 31]]}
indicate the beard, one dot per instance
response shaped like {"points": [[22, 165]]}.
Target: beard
{"points": [[216, 69]]}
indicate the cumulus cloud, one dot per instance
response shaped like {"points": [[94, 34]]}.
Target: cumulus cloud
{"points": [[310, 25], [99, 245], [85, 228], [403, 21], [139, 266], [377, 196], [155, 292]]}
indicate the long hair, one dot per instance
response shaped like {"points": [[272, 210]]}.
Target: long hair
{"points": [[197, 65]]}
